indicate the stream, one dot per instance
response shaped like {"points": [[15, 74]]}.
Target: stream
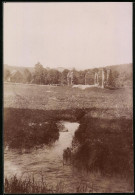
{"points": [[46, 163], [47, 160]]}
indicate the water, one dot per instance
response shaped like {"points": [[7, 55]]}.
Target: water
{"points": [[47, 160]]}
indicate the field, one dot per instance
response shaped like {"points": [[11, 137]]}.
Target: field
{"points": [[63, 97]]}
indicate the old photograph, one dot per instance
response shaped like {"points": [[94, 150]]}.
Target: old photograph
{"points": [[68, 97]]}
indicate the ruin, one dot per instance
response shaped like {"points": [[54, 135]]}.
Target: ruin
{"points": [[89, 78], [70, 78], [103, 78], [97, 78]]}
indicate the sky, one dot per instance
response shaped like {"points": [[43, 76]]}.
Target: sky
{"points": [[79, 35]]}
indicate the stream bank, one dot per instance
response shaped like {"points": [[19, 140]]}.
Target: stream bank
{"points": [[105, 146]]}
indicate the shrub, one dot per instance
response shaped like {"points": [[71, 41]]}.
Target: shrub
{"points": [[21, 132], [105, 145]]}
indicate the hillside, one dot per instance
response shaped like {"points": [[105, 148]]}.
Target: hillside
{"points": [[122, 67], [18, 68]]}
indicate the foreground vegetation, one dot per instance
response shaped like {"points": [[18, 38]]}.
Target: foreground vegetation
{"points": [[25, 128], [92, 183], [105, 145], [15, 186], [105, 134]]}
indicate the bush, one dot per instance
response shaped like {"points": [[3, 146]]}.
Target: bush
{"points": [[105, 145], [22, 131]]}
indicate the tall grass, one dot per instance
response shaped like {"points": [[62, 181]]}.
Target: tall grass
{"points": [[24, 128], [105, 145], [28, 185], [93, 182]]}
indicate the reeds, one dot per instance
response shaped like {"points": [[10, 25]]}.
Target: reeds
{"points": [[30, 185], [106, 145], [15, 185]]}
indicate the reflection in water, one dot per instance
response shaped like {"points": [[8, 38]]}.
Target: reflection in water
{"points": [[45, 159]]}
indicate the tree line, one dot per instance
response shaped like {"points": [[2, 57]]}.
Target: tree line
{"points": [[45, 76]]}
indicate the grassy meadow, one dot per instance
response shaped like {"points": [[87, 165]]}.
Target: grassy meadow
{"points": [[43, 97]]}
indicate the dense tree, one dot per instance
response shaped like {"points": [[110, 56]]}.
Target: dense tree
{"points": [[117, 80], [6, 74], [75, 76], [53, 76], [59, 75], [89, 77], [27, 76], [56, 77], [81, 78], [111, 80], [17, 77], [64, 76], [39, 73], [115, 74], [45, 72]]}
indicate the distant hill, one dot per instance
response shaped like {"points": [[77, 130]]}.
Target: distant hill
{"points": [[60, 69], [128, 68], [31, 69], [120, 68], [18, 68], [125, 77]]}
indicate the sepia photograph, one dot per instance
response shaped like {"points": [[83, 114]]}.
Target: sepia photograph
{"points": [[68, 97]]}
